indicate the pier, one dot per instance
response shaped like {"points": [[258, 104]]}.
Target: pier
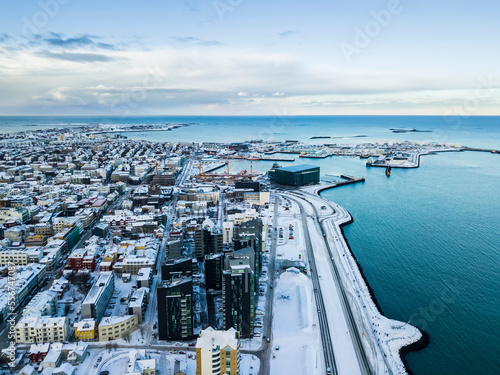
{"points": [[274, 159], [481, 150], [316, 189]]}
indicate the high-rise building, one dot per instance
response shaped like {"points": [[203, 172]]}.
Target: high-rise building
{"points": [[175, 309], [249, 234], [208, 239], [174, 248], [176, 268], [218, 352], [214, 265], [238, 290]]}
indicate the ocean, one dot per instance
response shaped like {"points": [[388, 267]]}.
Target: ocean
{"points": [[427, 238]]}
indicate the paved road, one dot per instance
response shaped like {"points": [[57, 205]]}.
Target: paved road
{"points": [[266, 349], [323, 320], [350, 320]]}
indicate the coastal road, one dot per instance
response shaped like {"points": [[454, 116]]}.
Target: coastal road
{"points": [[304, 201], [326, 340]]}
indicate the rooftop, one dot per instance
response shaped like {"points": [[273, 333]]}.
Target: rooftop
{"points": [[212, 338], [298, 168]]}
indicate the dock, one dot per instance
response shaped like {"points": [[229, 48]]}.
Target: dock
{"points": [[491, 151], [316, 189], [214, 167], [277, 159]]}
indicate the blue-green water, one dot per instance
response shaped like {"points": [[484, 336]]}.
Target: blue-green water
{"points": [[427, 238], [470, 131], [428, 242]]}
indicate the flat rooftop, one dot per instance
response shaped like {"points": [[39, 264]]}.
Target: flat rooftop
{"points": [[298, 168]]}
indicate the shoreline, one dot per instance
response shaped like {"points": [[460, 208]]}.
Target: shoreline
{"points": [[403, 351]]}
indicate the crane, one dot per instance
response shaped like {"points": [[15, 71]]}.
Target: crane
{"points": [[51, 219]]}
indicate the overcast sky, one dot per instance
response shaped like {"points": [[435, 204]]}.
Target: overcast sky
{"points": [[250, 57]]}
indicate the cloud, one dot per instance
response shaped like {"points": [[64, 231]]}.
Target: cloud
{"points": [[196, 41], [59, 95], [169, 80], [14, 42], [75, 57], [287, 34], [83, 41]]}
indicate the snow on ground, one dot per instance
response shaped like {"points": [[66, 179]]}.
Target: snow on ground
{"points": [[292, 245], [295, 328], [381, 337]]}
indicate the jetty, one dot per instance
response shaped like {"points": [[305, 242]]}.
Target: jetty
{"points": [[481, 150]]}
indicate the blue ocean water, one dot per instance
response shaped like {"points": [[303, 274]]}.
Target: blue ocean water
{"points": [[427, 238], [469, 131]]}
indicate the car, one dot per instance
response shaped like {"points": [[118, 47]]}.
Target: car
{"points": [[173, 352], [182, 352], [191, 344], [99, 359], [104, 373], [178, 344], [277, 347], [96, 364]]}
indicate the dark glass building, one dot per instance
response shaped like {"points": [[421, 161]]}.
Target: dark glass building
{"points": [[238, 290], [176, 268], [175, 309], [296, 176]]}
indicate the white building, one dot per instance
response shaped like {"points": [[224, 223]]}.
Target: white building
{"points": [[218, 352], [38, 329], [98, 297]]}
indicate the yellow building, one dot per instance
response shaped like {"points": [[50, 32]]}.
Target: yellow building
{"points": [[218, 352], [85, 330], [116, 327]]}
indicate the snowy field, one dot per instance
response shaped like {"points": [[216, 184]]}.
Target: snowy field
{"points": [[296, 337]]}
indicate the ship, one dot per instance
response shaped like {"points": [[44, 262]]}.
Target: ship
{"points": [[388, 171]]}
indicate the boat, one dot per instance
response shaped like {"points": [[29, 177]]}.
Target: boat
{"points": [[388, 171]]}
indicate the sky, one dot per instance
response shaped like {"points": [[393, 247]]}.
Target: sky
{"points": [[250, 57]]}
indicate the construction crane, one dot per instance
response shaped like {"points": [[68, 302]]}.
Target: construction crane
{"points": [[227, 163], [52, 218], [201, 173]]}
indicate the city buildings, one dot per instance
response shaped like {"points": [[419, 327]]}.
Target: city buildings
{"points": [[208, 239], [116, 327], [218, 352], [175, 309], [41, 329], [238, 290], [296, 175], [97, 299], [138, 303], [85, 330]]}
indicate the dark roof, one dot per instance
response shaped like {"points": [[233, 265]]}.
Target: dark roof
{"points": [[298, 168]]}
